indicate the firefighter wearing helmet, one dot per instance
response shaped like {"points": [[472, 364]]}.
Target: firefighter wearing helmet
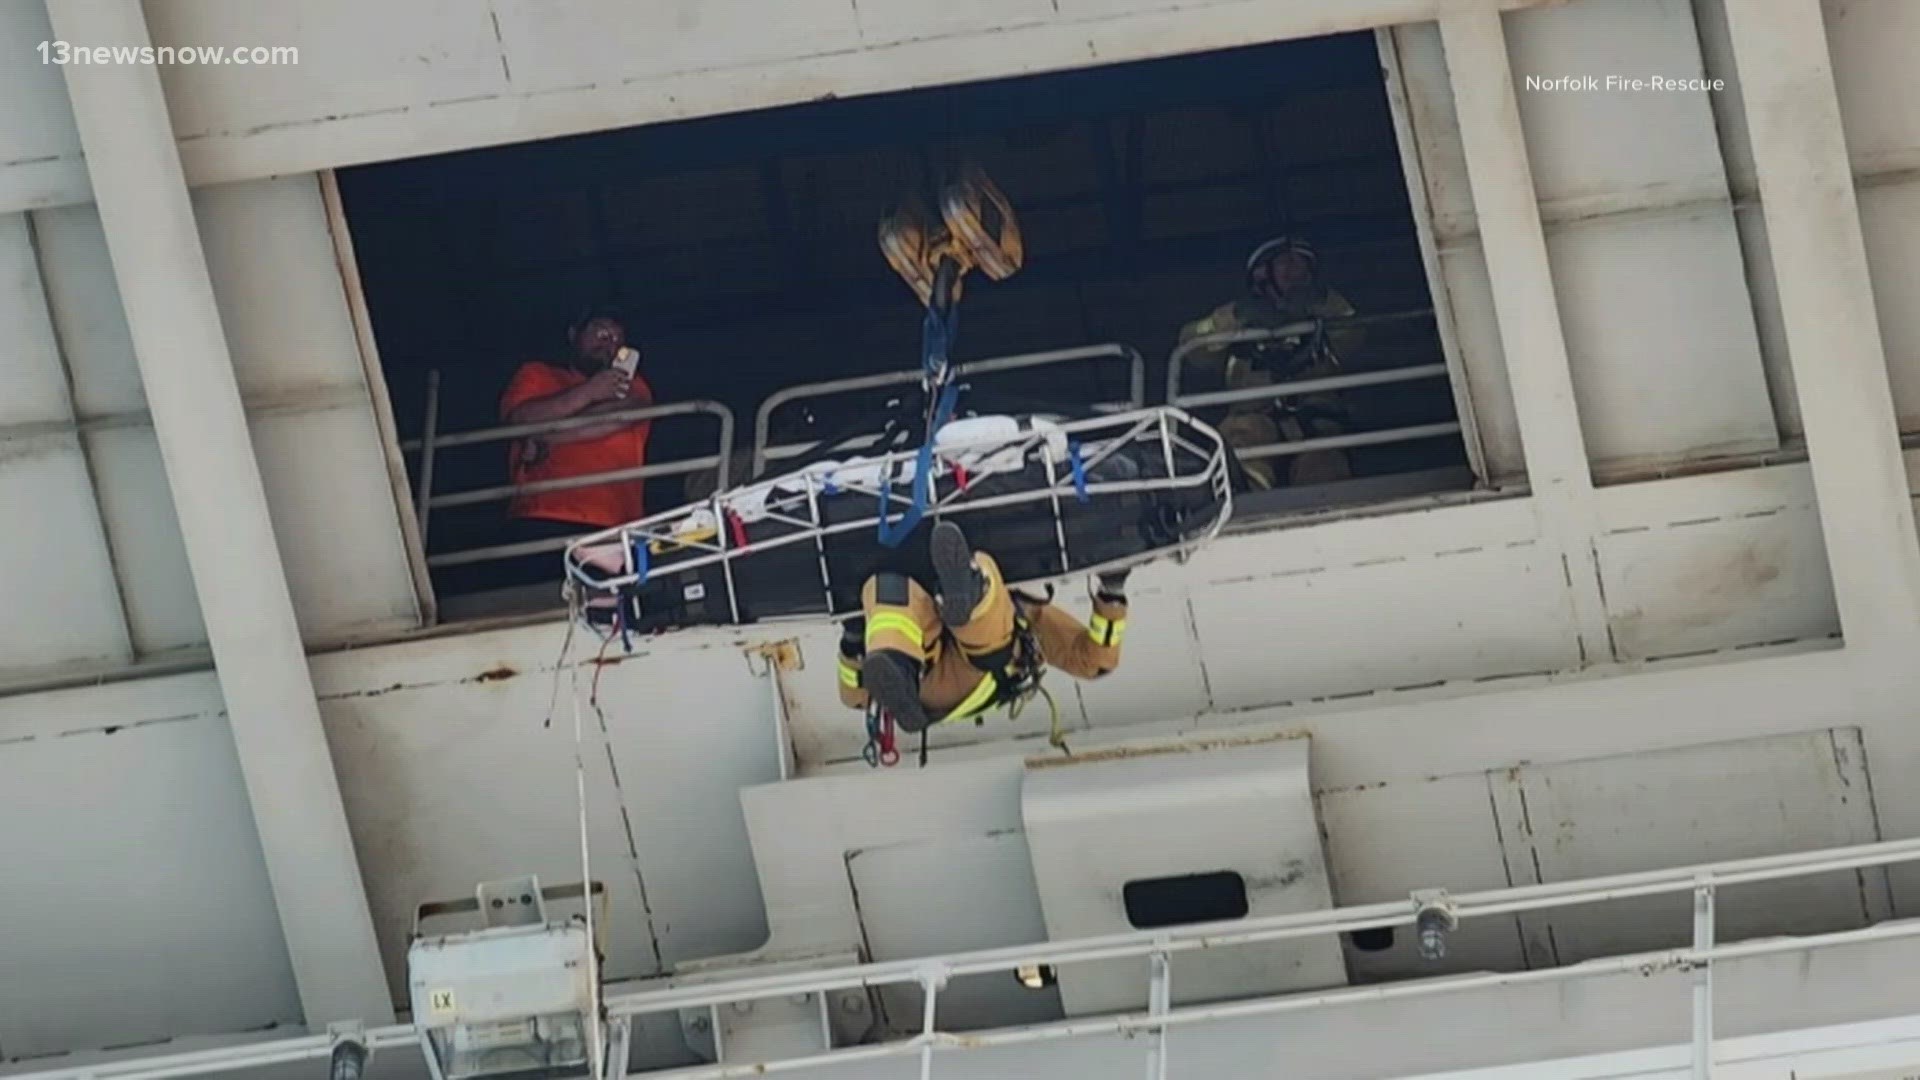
{"points": [[1284, 284]]}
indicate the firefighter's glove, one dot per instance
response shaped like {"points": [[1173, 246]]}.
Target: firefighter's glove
{"points": [[1112, 585]]}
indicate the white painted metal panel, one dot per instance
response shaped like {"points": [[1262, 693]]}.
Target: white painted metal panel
{"points": [[35, 386], [1385, 840], [356, 56], [1660, 335], [333, 516], [85, 304], [298, 363], [53, 551], [803, 831], [1660, 331], [138, 904], [1094, 825], [39, 147], [450, 785], [378, 82], [1610, 150], [1485, 612], [552, 46], [281, 299], [1463, 264], [451, 778], [1890, 221], [888, 22], [1436, 130], [1717, 583], [163, 612], [1663, 808], [297, 359], [953, 894], [1871, 45], [149, 557], [690, 728], [57, 599], [1162, 673]]}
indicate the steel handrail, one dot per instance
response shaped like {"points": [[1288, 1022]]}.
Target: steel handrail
{"points": [[1142, 944], [431, 443], [1176, 360], [931, 974], [763, 420], [1351, 439]]}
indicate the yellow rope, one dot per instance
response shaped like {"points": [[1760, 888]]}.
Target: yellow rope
{"points": [[1056, 734]]}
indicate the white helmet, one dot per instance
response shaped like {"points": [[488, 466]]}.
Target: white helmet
{"points": [[1273, 249]]}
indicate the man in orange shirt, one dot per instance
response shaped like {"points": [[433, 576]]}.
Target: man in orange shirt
{"points": [[585, 384]]}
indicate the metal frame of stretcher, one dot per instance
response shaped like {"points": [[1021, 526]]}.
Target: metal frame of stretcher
{"points": [[605, 562]]}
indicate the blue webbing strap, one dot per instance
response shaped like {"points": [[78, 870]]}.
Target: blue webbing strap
{"points": [[936, 337], [891, 534], [1079, 468]]}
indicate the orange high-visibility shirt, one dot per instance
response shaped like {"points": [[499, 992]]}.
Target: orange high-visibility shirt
{"points": [[601, 506]]}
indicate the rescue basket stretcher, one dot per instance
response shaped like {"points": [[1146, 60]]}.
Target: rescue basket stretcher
{"points": [[1048, 500]]}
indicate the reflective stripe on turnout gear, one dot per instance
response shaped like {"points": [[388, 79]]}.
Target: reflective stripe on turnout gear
{"points": [[983, 697], [1105, 631], [849, 674], [899, 624]]}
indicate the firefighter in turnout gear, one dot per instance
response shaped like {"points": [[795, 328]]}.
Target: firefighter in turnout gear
{"points": [[970, 645], [1284, 280]]}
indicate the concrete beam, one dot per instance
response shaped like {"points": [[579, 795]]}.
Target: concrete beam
{"points": [[1515, 243], [1832, 330], [214, 478], [607, 100]]}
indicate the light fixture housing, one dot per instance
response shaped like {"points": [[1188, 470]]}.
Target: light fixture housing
{"points": [[512, 999]]}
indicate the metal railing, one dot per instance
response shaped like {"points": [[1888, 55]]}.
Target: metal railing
{"points": [[763, 454], [432, 442], [1176, 366], [932, 974]]}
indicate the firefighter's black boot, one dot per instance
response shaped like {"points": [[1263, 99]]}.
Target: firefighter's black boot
{"points": [[961, 583], [892, 679]]}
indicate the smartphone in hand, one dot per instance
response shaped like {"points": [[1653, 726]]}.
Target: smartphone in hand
{"points": [[626, 361]]}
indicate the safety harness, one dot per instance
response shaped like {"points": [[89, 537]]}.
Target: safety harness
{"points": [[1011, 684]]}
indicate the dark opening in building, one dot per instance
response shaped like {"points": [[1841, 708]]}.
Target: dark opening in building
{"points": [[1191, 898], [740, 251]]}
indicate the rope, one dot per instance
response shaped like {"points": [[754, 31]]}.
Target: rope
{"points": [[596, 1050], [1056, 732]]}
